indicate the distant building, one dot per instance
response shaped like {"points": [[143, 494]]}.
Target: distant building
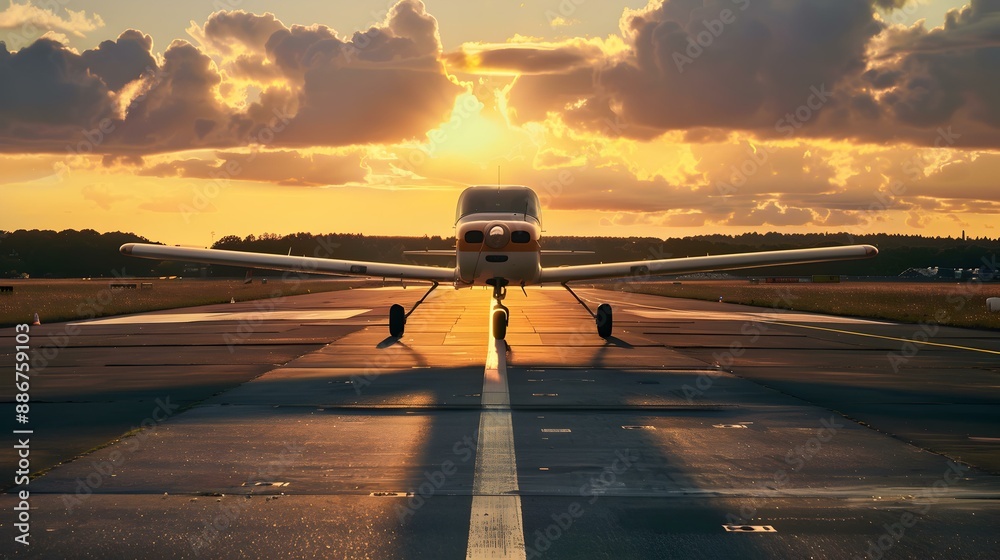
{"points": [[986, 274], [927, 272]]}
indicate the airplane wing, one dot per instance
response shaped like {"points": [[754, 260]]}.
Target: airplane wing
{"points": [[704, 264], [564, 252], [432, 252], [310, 265]]}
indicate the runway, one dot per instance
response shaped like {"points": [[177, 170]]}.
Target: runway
{"points": [[299, 429]]}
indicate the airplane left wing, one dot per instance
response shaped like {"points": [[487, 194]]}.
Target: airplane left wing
{"points": [[704, 264], [268, 261], [432, 253]]}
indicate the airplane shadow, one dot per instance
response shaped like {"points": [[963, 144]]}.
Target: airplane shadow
{"points": [[387, 342], [615, 341]]}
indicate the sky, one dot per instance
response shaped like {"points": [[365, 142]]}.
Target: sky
{"points": [[185, 121]]}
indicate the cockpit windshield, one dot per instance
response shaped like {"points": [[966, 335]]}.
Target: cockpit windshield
{"points": [[498, 200]]}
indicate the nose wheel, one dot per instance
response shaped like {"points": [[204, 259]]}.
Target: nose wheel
{"points": [[500, 321], [501, 315]]}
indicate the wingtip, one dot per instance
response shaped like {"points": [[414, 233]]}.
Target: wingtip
{"points": [[126, 249], [870, 251]]}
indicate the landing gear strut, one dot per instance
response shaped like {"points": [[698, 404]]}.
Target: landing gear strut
{"points": [[398, 314], [603, 317], [501, 315]]}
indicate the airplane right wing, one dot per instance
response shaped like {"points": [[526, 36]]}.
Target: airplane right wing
{"points": [[309, 265], [564, 253], [704, 264]]}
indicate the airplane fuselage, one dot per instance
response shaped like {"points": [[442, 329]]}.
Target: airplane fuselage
{"points": [[497, 236], [498, 255]]}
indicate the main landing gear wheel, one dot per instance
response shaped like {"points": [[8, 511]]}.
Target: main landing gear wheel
{"points": [[397, 320], [604, 320], [499, 324]]}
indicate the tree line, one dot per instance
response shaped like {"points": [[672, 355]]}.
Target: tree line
{"points": [[87, 253]]}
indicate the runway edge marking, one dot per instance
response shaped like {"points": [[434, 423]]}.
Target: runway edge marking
{"points": [[496, 530], [869, 335]]}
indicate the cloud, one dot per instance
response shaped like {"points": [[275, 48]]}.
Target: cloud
{"points": [[235, 32], [772, 214], [917, 220], [179, 108], [840, 219], [948, 75], [559, 91], [784, 184], [29, 19], [102, 195], [972, 27], [527, 58], [791, 114], [47, 91], [733, 64], [685, 219], [385, 84], [559, 21], [122, 61], [967, 179], [771, 68], [280, 167], [409, 22]]}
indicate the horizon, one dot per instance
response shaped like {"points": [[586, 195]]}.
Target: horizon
{"points": [[628, 118], [273, 235], [73, 253]]}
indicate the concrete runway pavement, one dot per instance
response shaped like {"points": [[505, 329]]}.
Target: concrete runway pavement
{"points": [[700, 430]]}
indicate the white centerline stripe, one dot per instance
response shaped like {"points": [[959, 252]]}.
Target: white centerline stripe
{"points": [[495, 527]]}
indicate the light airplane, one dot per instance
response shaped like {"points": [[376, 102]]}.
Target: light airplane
{"points": [[497, 232]]}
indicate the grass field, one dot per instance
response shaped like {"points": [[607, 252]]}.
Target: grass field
{"points": [[960, 304], [68, 300]]}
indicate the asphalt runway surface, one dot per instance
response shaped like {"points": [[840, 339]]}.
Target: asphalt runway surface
{"points": [[298, 428]]}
